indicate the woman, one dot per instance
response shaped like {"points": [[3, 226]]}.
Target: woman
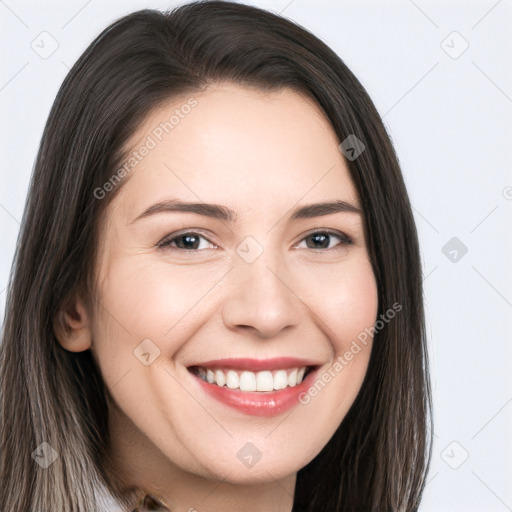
{"points": [[216, 300]]}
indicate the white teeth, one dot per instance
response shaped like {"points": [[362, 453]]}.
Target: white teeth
{"points": [[280, 379], [264, 381], [220, 378], [253, 381], [247, 381], [232, 380], [292, 378]]}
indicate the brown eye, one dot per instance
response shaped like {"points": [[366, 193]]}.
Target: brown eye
{"points": [[185, 241], [323, 239]]}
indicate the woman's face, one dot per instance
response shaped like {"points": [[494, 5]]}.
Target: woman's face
{"points": [[181, 289]]}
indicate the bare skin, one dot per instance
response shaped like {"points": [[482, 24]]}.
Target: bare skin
{"points": [[262, 155]]}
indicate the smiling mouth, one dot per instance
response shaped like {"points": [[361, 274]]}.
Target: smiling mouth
{"points": [[247, 381]]}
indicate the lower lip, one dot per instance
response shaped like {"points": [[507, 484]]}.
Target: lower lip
{"points": [[269, 403]]}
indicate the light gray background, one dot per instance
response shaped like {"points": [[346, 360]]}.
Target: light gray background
{"points": [[449, 113]]}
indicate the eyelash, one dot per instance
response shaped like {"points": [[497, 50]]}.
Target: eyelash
{"points": [[166, 242]]}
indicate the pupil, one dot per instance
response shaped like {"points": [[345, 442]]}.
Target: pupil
{"points": [[324, 239], [188, 239]]}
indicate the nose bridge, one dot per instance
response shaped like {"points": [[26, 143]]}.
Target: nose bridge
{"points": [[259, 295]]}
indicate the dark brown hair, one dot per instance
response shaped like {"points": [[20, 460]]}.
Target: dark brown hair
{"points": [[378, 458]]}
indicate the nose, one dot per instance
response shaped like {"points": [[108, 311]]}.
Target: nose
{"points": [[260, 299]]}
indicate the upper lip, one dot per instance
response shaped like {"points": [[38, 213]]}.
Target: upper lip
{"points": [[276, 363]]}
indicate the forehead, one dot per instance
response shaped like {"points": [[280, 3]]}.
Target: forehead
{"points": [[235, 145]]}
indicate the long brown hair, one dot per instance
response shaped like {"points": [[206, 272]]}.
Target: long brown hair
{"points": [[378, 458]]}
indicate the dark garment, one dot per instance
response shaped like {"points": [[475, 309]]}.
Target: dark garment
{"points": [[151, 503]]}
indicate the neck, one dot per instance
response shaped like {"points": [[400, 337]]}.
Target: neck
{"points": [[141, 464]]}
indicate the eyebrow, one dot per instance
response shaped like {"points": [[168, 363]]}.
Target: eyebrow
{"points": [[220, 212]]}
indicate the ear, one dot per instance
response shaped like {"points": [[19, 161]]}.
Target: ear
{"points": [[71, 325]]}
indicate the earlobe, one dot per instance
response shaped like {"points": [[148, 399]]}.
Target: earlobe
{"points": [[71, 326]]}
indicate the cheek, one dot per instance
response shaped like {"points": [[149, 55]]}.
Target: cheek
{"points": [[347, 302], [348, 309], [143, 299]]}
